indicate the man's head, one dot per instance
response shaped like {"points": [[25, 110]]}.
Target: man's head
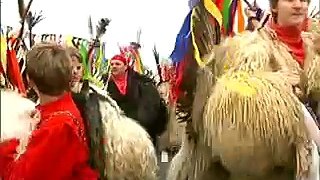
{"points": [[76, 62], [289, 12], [119, 65], [49, 69]]}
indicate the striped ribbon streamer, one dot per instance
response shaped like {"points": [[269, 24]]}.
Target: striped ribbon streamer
{"points": [[215, 12]]}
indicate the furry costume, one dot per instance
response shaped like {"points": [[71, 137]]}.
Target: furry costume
{"points": [[171, 139], [247, 122], [129, 151], [15, 118], [198, 159]]}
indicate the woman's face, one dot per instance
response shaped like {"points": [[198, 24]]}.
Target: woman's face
{"points": [[117, 67], [77, 70], [291, 12]]}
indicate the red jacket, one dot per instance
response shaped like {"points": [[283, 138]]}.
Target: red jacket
{"points": [[57, 149]]}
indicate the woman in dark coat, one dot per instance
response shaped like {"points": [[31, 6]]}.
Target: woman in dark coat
{"points": [[137, 96]]}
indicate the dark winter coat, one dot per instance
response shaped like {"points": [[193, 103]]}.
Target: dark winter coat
{"points": [[142, 103]]}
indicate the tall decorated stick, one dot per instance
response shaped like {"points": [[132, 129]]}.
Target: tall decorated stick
{"points": [[157, 59], [33, 19], [23, 11]]}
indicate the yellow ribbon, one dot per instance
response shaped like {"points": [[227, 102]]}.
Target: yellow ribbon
{"points": [[3, 51], [100, 57], [215, 12], [69, 40], [138, 65]]}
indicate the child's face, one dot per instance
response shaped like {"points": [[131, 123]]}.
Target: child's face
{"points": [[77, 70]]}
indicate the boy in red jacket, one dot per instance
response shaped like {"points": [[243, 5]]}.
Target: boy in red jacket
{"points": [[57, 149]]}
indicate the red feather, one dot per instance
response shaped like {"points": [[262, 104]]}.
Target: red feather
{"points": [[219, 4], [13, 71]]}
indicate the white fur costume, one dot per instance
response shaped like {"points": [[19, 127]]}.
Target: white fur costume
{"points": [[130, 152], [15, 118]]}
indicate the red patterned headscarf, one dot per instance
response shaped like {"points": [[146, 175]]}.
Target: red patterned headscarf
{"points": [[121, 81], [120, 58]]}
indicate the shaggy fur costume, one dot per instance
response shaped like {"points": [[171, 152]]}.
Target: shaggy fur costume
{"points": [[129, 151], [247, 118], [212, 152]]}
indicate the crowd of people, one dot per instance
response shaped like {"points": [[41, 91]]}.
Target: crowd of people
{"points": [[252, 111]]}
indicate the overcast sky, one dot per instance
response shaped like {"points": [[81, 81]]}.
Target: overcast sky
{"points": [[159, 20]]}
